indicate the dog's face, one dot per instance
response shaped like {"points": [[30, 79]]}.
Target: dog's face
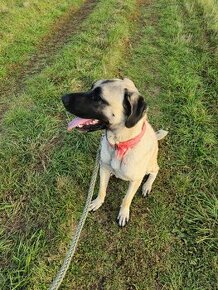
{"points": [[108, 105]]}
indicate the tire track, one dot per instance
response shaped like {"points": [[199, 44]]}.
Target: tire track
{"points": [[61, 32]]}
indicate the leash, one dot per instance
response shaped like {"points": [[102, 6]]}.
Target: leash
{"points": [[75, 237]]}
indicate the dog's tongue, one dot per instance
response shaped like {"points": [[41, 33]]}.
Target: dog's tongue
{"points": [[76, 122]]}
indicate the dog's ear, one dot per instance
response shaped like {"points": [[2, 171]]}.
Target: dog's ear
{"points": [[134, 107]]}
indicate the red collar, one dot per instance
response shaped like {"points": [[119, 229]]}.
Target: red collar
{"points": [[122, 147]]}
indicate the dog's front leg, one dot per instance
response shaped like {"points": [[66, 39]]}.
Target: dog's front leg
{"points": [[146, 189], [123, 216], [104, 178]]}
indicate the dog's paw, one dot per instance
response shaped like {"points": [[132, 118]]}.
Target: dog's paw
{"points": [[123, 216], [95, 204], [146, 189]]}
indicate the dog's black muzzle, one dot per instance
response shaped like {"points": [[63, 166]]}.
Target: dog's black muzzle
{"points": [[87, 105]]}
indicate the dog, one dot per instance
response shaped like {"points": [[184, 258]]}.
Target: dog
{"points": [[129, 147]]}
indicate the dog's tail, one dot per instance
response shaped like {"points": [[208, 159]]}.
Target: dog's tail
{"points": [[161, 134]]}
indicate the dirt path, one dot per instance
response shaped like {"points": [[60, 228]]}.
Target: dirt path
{"points": [[60, 33]]}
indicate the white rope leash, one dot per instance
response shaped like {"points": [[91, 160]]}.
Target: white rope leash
{"points": [[75, 237]]}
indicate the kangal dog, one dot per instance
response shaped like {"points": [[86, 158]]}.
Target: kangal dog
{"points": [[129, 147]]}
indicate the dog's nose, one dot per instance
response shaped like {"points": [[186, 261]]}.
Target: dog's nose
{"points": [[66, 100]]}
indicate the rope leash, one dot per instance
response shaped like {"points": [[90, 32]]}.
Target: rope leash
{"points": [[75, 237]]}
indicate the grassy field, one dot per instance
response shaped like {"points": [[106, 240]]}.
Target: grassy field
{"points": [[169, 49], [23, 24]]}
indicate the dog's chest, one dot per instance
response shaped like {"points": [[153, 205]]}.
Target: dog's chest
{"points": [[119, 169], [118, 166]]}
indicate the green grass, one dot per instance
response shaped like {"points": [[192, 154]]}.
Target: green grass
{"points": [[171, 239], [210, 13], [23, 24]]}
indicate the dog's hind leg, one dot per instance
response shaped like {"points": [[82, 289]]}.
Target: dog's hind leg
{"points": [[146, 189], [104, 179], [123, 216]]}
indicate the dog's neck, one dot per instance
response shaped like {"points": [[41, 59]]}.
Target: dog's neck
{"points": [[122, 134]]}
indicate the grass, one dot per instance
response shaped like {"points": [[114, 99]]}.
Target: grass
{"points": [[171, 240], [23, 24], [210, 8], [31, 34]]}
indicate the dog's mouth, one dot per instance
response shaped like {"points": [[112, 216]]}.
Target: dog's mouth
{"points": [[85, 125]]}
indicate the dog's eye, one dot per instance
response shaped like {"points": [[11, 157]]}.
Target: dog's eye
{"points": [[95, 97]]}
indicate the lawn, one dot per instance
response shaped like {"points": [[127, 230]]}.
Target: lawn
{"points": [[169, 49]]}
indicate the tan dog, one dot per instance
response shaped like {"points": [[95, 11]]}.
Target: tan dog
{"points": [[129, 147]]}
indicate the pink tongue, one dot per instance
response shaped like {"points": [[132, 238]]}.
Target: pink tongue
{"points": [[76, 122]]}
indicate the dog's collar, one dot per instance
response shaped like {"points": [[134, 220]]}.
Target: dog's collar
{"points": [[122, 147]]}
